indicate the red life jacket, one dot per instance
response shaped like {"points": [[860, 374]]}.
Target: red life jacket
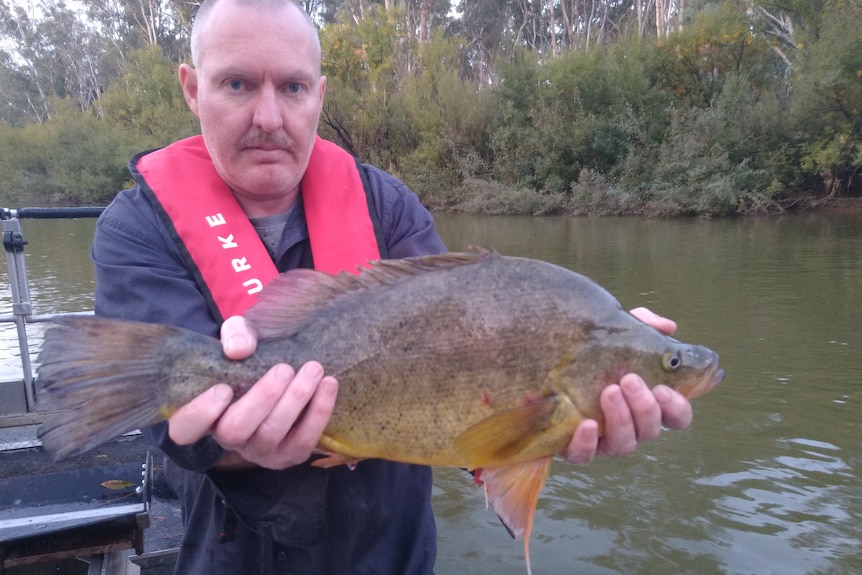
{"points": [[226, 255]]}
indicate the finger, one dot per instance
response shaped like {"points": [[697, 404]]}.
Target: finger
{"points": [[293, 408], [304, 437], [645, 411], [242, 419], [584, 444], [237, 338], [620, 437], [196, 419], [675, 409], [652, 319]]}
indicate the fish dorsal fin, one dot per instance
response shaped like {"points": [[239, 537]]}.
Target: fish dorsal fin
{"points": [[502, 436], [289, 300]]}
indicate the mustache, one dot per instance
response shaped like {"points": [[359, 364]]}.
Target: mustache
{"points": [[265, 140]]}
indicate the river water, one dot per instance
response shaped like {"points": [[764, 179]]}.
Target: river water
{"points": [[768, 479]]}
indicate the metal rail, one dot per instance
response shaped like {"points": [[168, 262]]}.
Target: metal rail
{"points": [[19, 283]]}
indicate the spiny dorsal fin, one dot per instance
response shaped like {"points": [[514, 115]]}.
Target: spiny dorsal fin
{"points": [[292, 298]]}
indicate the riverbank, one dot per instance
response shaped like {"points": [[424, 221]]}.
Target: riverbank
{"points": [[490, 198], [840, 205], [598, 198]]}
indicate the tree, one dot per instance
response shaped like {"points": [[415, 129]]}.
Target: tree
{"points": [[718, 44], [21, 99], [147, 100], [446, 120], [54, 56], [828, 100], [361, 66], [133, 24]]}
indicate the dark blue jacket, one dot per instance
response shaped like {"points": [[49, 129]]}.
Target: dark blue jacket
{"points": [[374, 519]]}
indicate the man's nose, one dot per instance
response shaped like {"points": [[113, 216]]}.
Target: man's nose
{"points": [[267, 111]]}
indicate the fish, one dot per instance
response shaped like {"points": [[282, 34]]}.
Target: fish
{"points": [[473, 360]]}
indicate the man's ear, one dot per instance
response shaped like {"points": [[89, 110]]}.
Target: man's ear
{"points": [[189, 83]]}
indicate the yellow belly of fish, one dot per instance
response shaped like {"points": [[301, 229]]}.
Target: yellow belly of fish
{"points": [[539, 429]]}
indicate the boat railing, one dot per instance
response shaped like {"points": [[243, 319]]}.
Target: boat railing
{"points": [[18, 397], [56, 516]]}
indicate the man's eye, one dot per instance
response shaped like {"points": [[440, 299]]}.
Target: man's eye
{"points": [[294, 88], [235, 84]]}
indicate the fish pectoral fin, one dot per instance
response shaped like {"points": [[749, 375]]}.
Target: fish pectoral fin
{"points": [[502, 436], [514, 493]]}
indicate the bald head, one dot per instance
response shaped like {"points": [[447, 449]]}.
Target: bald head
{"points": [[210, 8], [257, 90]]}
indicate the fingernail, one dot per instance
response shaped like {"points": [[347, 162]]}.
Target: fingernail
{"points": [[330, 385], [235, 343], [616, 396], [662, 394], [312, 369], [284, 372], [222, 393], [632, 385]]}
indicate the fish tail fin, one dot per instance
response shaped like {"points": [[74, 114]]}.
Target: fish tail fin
{"points": [[102, 377], [514, 493]]}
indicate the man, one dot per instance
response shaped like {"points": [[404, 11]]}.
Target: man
{"points": [[251, 502]]}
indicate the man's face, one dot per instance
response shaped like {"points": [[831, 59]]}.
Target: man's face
{"points": [[258, 93]]}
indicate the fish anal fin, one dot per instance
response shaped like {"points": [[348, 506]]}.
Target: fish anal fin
{"points": [[335, 452], [292, 298], [521, 432], [330, 459], [513, 491]]}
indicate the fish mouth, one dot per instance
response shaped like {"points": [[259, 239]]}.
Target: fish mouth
{"points": [[704, 385]]}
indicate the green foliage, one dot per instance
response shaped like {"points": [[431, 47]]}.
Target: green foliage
{"points": [[360, 66], [414, 116], [73, 159], [731, 157], [147, 100], [81, 157], [827, 104], [493, 198], [743, 109], [581, 111], [719, 44], [447, 120]]}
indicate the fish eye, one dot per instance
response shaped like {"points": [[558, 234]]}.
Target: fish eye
{"points": [[671, 361]]}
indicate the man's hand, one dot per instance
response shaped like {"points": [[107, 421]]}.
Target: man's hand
{"points": [[276, 424], [633, 413]]}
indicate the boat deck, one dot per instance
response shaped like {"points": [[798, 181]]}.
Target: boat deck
{"points": [[61, 517]]}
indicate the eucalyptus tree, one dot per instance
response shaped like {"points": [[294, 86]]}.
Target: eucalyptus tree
{"points": [[485, 27], [19, 94], [132, 24], [420, 17], [827, 101], [53, 53]]}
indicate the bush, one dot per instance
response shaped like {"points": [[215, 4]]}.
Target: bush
{"points": [[724, 159], [73, 159], [594, 195], [494, 198]]}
